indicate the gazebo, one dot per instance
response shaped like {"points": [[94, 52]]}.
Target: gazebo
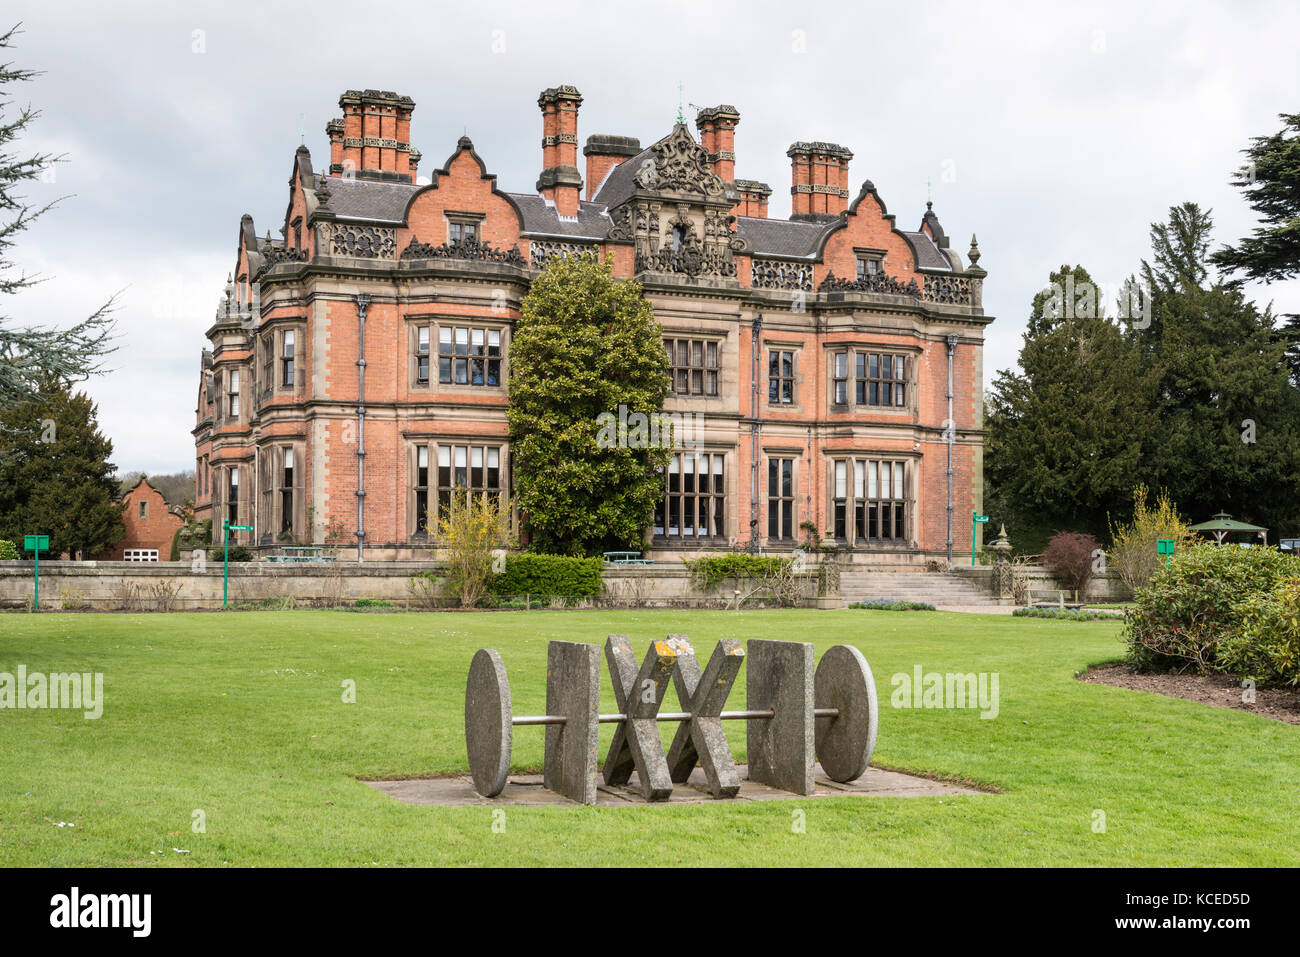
{"points": [[1223, 525]]}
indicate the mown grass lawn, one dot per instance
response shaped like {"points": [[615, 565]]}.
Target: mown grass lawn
{"points": [[240, 715]]}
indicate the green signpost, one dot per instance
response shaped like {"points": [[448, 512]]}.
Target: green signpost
{"points": [[975, 519], [1165, 547], [37, 544], [226, 529]]}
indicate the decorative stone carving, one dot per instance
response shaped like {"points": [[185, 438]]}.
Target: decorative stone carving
{"points": [[682, 165], [621, 231], [363, 242], [775, 274], [470, 249], [879, 283], [542, 251], [273, 255], [955, 290], [691, 260]]}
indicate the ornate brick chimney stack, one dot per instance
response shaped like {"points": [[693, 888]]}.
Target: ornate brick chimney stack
{"points": [[717, 126], [819, 179], [603, 153], [753, 198], [374, 138], [560, 180]]}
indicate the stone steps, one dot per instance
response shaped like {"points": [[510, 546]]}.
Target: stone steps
{"points": [[937, 588]]}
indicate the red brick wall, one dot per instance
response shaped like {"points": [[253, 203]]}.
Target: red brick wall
{"points": [[156, 530]]}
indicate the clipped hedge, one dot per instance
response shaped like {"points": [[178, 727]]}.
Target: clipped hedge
{"points": [[1213, 609], [712, 570], [1064, 614], [893, 604], [548, 576]]}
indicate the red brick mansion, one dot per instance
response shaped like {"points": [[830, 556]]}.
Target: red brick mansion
{"points": [[359, 363]]}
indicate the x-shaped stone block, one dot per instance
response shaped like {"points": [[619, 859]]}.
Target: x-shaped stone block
{"points": [[701, 739], [639, 694]]}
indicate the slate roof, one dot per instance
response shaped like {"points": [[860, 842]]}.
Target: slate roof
{"points": [[780, 237], [928, 255], [369, 200], [621, 182], [593, 221]]}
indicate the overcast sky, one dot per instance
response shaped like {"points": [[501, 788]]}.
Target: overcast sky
{"points": [[1057, 134]]}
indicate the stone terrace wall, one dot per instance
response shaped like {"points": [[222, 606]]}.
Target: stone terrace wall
{"points": [[1107, 587], [155, 586]]}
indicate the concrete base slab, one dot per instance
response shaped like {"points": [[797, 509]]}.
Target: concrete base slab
{"points": [[526, 790]]}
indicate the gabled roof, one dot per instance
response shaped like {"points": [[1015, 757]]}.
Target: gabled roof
{"points": [[928, 255], [370, 200], [781, 237], [621, 183], [540, 217]]}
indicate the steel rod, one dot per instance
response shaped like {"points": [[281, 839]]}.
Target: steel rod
{"points": [[531, 719]]}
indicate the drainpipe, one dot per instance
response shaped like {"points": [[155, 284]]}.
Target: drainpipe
{"points": [[363, 302], [755, 410], [950, 434]]}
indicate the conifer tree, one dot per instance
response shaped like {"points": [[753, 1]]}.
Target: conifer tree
{"points": [[55, 475], [29, 355]]}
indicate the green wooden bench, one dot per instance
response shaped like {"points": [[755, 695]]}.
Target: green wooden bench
{"points": [[626, 558]]}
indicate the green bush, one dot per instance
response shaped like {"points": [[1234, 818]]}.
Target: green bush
{"points": [[1203, 599], [1266, 649], [238, 553], [8, 551], [372, 603], [548, 576], [712, 570]]}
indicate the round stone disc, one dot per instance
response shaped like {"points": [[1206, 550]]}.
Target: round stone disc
{"points": [[844, 744], [488, 732]]}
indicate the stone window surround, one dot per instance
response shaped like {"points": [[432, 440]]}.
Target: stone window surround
{"points": [[434, 321], [913, 355], [911, 462], [270, 502], [707, 337], [431, 489], [795, 457], [464, 218], [862, 253], [274, 330], [770, 345], [728, 495]]}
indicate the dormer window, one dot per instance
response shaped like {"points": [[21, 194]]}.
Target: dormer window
{"points": [[464, 228], [868, 266]]}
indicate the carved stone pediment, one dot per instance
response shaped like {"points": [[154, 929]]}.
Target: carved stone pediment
{"points": [[681, 165]]}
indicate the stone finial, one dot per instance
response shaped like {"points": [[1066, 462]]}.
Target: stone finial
{"points": [[323, 190], [1001, 544], [974, 254]]}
